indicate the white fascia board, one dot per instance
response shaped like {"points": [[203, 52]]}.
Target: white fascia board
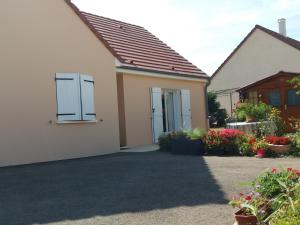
{"points": [[160, 75], [117, 63]]}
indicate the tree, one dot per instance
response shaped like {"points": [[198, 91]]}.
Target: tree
{"points": [[296, 82], [216, 115]]}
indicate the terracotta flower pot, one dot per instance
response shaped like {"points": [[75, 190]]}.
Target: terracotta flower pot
{"points": [[261, 153], [242, 219], [279, 148]]}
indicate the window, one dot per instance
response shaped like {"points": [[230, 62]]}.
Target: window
{"points": [[253, 97], [293, 97], [274, 98], [75, 97]]}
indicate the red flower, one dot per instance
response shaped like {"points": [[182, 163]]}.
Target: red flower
{"points": [[251, 141], [278, 140], [289, 169], [241, 194], [274, 170], [248, 198]]}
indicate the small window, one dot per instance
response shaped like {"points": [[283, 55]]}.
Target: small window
{"points": [[253, 97], [274, 98], [75, 97], [293, 97]]}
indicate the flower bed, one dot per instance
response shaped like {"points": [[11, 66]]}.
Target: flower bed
{"points": [[229, 142], [233, 142], [274, 198]]}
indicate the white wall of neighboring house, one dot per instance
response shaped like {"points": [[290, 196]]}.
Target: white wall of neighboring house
{"points": [[260, 56]]}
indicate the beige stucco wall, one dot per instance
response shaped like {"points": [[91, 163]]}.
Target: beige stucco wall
{"points": [[137, 105], [38, 39], [260, 56]]}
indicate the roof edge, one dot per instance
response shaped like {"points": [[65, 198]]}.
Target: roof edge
{"points": [[204, 76], [279, 74], [90, 26], [234, 51], [265, 30]]}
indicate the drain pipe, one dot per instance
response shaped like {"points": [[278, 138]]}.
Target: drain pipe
{"points": [[206, 101]]}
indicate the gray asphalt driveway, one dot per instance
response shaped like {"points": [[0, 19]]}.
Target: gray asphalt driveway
{"points": [[127, 188]]}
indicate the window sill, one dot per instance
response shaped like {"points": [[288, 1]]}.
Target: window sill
{"points": [[77, 122]]}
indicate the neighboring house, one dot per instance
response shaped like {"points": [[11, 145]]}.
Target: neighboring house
{"points": [[77, 85], [275, 90], [262, 53]]}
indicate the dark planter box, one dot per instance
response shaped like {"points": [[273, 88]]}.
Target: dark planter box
{"points": [[185, 146]]}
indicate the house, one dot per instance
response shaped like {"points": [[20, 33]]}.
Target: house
{"points": [[76, 85], [262, 53], [275, 90]]}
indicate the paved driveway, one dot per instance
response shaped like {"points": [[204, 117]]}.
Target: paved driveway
{"points": [[127, 188]]}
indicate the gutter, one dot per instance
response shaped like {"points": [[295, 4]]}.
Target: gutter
{"points": [[206, 101]]}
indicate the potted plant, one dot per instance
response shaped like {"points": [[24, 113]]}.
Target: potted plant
{"points": [[272, 198], [260, 147], [188, 142], [250, 112], [250, 208], [279, 144]]}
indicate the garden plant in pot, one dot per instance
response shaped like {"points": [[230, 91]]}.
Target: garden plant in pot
{"points": [[190, 143], [273, 199], [260, 147], [183, 142], [250, 112], [279, 145]]}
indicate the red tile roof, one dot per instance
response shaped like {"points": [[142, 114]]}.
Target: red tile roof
{"points": [[137, 48], [292, 42]]}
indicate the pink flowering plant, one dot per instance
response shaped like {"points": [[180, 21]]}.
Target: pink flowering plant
{"points": [[228, 142], [272, 192]]}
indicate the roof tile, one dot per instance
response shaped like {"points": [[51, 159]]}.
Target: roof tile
{"points": [[136, 47]]}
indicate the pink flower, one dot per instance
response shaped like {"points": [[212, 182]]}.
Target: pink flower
{"points": [[274, 170]]}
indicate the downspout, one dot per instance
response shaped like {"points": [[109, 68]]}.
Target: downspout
{"points": [[206, 102]]}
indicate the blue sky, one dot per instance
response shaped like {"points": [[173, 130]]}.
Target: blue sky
{"points": [[205, 32]]}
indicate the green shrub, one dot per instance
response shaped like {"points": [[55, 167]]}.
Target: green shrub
{"points": [[258, 111], [197, 133], [288, 216], [244, 144], [223, 142], [165, 139], [274, 197], [295, 149], [217, 116]]}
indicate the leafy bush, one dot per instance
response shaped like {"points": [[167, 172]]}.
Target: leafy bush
{"points": [[295, 150], [222, 142], [165, 139], [197, 133], [258, 111], [289, 215], [217, 115], [274, 197], [244, 144], [276, 118]]}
